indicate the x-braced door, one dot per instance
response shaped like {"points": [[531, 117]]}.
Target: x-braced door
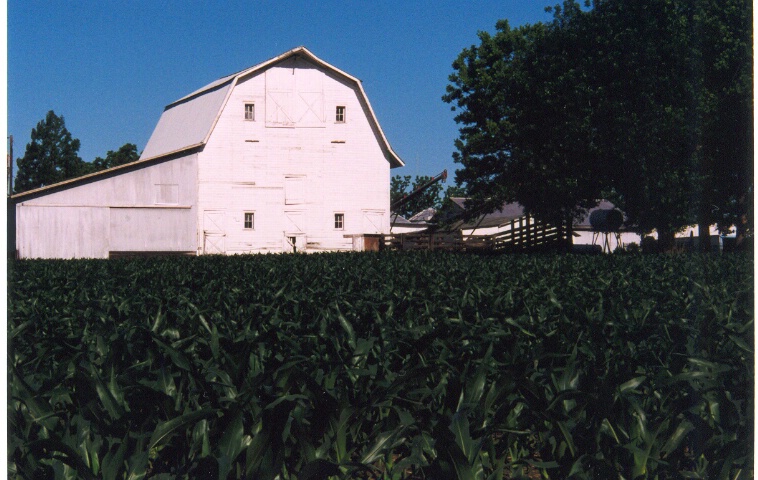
{"points": [[214, 234]]}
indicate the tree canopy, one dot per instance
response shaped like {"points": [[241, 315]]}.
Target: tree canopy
{"points": [[51, 156], [648, 104], [126, 154]]}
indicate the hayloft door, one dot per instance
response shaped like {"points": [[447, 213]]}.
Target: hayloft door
{"points": [[214, 234]]}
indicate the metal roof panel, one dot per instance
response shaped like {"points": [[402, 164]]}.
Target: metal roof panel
{"points": [[187, 123]]}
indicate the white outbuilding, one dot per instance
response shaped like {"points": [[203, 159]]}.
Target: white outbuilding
{"points": [[284, 156]]}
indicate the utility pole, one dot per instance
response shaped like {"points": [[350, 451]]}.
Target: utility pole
{"points": [[9, 165]]}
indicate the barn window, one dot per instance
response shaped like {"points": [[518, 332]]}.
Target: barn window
{"points": [[249, 220], [250, 111], [339, 221], [340, 117]]}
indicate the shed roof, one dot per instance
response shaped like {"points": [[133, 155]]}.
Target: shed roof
{"points": [[188, 122], [506, 213]]}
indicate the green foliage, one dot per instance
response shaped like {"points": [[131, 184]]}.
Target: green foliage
{"points": [[646, 103], [382, 365], [50, 157], [523, 100], [126, 154]]}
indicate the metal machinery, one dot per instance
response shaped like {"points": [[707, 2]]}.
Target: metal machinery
{"points": [[606, 222], [406, 198]]}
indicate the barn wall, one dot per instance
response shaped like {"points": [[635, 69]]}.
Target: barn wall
{"points": [[62, 231], [294, 166], [152, 229], [152, 208]]}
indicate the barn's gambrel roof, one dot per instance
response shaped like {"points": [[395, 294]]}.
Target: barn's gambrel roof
{"points": [[188, 122]]}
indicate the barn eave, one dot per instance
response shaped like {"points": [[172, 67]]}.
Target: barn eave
{"points": [[90, 177]]}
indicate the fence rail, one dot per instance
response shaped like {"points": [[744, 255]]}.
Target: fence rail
{"points": [[521, 235]]}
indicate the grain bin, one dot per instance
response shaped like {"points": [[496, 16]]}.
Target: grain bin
{"points": [[606, 220]]}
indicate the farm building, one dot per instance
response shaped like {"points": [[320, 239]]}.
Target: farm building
{"points": [[285, 156], [510, 222], [602, 229]]}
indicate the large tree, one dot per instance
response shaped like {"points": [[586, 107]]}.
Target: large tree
{"points": [[723, 59], [648, 103], [50, 157], [676, 110], [646, 110], [521, 97]]}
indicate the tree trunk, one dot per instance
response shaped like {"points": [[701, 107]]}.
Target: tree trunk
{"points": [[568, 231], [741, 234], [666, 240], [704, 236]]}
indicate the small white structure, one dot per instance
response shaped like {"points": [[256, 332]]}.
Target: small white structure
{"points": [[284, 156]]}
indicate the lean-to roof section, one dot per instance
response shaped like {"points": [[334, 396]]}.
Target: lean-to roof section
{"points": [[189, 121]]}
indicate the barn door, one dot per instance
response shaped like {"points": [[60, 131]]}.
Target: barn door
{"points": [[294, 233], [214, 233], [294, 243], [373, 221]]}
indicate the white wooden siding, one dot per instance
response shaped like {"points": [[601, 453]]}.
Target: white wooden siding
{"points": [[62, 232], [294, 178], [151, 208], [152, 229]]}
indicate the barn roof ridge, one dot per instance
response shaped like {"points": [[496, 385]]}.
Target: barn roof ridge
{"points": [[260, 66], [218, 93]]}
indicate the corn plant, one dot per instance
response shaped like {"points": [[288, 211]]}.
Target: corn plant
{"points": [[382, 366]]}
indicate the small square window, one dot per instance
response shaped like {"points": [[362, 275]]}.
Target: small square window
{"points": [[340, 116], [249, 220], [339, 221], [250, 111]]}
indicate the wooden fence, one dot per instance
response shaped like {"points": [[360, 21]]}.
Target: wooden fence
{"points": [[521, 235], [451, 241]]}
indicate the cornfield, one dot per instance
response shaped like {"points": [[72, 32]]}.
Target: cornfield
{"points": [[382, 366]]}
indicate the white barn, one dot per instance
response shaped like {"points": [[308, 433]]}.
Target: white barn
{"points": [[285, 156]]}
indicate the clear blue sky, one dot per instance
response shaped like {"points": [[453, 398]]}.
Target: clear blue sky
{"points": [[110, 67]]}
